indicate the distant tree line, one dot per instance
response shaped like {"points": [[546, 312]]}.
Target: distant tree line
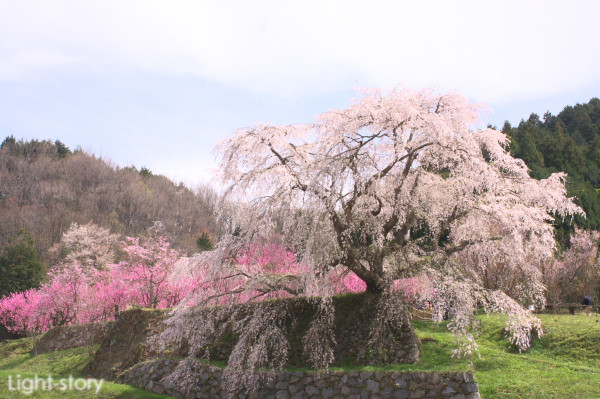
{"points": [[567, 142]]}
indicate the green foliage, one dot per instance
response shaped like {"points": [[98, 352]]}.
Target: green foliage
{"points": [[205, 242], [19, 265], [568, 142], [61, 149], [8, 141], [145, 172], [35, 148], [4, 334]]}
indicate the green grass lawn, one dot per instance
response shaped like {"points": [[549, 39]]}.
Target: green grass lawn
{"points": [[563, 363], [16, 360]]}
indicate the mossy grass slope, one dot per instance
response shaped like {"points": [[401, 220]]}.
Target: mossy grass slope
{"points": [[17, 359]]}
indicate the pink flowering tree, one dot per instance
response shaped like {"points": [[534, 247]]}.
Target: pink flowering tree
{"points": [[77, 294], [64, 296], [60, 301], [256, 272], [20, 313], [147, 272], [108, 294]]}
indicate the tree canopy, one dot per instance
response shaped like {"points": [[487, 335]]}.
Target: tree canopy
{"points": [[19, 265], [394, 179]]}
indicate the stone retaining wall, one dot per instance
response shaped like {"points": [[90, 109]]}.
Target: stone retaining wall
{"points": [[160, 376]]}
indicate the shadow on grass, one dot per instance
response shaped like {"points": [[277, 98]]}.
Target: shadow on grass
{"points": [[15, 363]]}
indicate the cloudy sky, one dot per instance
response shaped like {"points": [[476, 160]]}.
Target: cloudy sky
{"points": [[157, 83]]}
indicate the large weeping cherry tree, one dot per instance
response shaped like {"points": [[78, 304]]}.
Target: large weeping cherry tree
{"points": [[389, 177], [396, 185]]}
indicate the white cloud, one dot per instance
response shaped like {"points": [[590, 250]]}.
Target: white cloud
{"points": [[491, 51]]}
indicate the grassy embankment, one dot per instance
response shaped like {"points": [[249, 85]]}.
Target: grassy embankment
{"points": [[564, 363], [17, 361]]}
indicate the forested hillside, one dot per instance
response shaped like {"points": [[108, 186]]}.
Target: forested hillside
{"points": [[44, 187], [568, 142]]}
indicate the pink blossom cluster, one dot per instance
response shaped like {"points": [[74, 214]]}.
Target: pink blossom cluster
{"points": [[269, 258], [347, 281], [270, 270], [74, 294]]}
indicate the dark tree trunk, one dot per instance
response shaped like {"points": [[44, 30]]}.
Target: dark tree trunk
{"points": [[374, 288], [374, 281]]}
